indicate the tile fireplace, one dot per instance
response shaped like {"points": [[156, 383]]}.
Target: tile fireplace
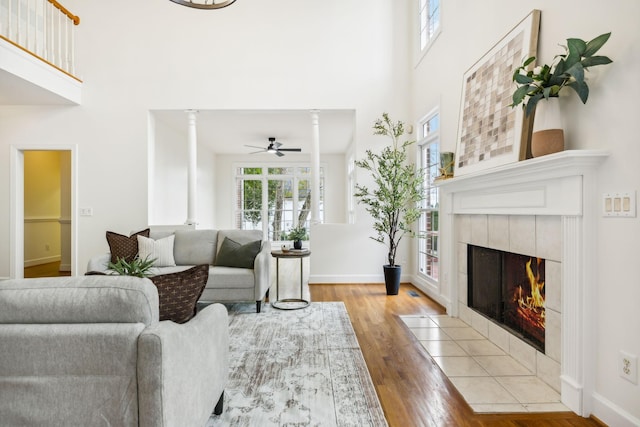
{"points": [[542, 210]]}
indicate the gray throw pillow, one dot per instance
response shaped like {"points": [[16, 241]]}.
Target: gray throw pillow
{"points": [[234, 254]]}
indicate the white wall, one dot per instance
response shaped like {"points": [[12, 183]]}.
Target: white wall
{"points": [[147, 55], [607, 121]]}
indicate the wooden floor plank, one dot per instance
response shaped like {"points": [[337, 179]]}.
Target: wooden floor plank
{"points": [[411, 387]]}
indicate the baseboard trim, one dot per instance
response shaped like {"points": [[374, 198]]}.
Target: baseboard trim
{"points": [[40, 261], [611, 414], [353, 278]]}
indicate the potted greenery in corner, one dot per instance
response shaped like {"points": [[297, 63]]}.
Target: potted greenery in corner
{"points": [[297, 234], [545, 83], [136, 267], [394, 201]]}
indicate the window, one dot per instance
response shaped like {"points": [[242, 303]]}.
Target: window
{"points": [[429, 12], [429, 149], [275, 199]]}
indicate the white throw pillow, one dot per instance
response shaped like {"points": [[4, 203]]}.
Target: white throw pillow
{"points": [[161, 250]]}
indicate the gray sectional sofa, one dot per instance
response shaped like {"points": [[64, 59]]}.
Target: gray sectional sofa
{"points": [[91, 351], [225, 284]]}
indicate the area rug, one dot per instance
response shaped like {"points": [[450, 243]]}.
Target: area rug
{"points": [[297, 368]]}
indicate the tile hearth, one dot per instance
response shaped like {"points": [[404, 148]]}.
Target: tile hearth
{"points": [[489, 379]]}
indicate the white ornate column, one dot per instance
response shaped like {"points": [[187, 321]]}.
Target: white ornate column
{"points": [[315, 167], [192, 187]]}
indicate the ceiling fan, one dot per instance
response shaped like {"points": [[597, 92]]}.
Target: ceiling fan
{"points": [[274, 147]]}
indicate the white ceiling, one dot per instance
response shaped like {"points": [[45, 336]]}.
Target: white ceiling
{"points": [[228, 131]]}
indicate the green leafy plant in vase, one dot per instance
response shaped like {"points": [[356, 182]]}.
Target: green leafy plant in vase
{"points": [[544, 84], [394, 200], [297, 235]]}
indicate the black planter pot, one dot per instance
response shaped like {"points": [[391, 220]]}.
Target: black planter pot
{"points": [[392, 278], [297, 244]]}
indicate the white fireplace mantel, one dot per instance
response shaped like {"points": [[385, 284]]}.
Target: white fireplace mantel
{"points": [[562, 184]]}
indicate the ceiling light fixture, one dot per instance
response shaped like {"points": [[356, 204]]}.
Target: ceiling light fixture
{"points": [[204, 4]]}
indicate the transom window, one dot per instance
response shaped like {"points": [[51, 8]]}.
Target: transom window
{"points": [[275, 199], [429, 12], [429, 144]]}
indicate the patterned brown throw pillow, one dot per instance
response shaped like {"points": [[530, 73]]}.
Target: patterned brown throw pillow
{"points": [[179, 292], [124, 247]]}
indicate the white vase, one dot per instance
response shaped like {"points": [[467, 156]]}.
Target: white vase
{"points": [[548, 133]]}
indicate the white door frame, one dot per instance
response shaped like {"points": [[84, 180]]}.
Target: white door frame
{"points": [[16, 218]]}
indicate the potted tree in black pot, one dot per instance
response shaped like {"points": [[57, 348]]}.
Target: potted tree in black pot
{"points": [[394, 200]]}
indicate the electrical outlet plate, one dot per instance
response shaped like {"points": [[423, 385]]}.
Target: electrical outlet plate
{"points": [[628, 367], [86, 211], [620, 203]]}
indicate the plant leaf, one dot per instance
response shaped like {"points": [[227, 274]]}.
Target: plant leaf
{"points": [[576, 49], [595, 60], [594, 45], [581, 89], [519, 94], [522, 79], [577, 72]]}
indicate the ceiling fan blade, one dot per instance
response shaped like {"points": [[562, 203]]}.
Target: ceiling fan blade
{"points": [[291, 149], [256, 152], [279, 154], [254, 146]]}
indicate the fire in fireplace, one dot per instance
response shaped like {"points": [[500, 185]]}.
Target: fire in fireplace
{"points": [[508, 288]]}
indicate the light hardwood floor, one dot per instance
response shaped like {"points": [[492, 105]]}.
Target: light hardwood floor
{"points": [[45, 270], [411, 387]]}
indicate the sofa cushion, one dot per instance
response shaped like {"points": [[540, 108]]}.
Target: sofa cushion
{"points": [[240, 236], [84, 299], [231, 278], [234, 254], [179, 292], [194, 247], [161, 251], [125, 247]]}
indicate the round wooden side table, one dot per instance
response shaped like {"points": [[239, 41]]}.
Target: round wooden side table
{"points": [[290, 303]]}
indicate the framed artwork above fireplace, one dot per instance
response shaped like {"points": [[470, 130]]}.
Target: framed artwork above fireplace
{"points": [[490, 132]]}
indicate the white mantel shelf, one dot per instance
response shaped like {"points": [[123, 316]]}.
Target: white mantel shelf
{"points": [[564, 163], [548, 185], [562, 184]]}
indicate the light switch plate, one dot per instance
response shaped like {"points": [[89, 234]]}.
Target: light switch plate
{"points": [[619, 203]]}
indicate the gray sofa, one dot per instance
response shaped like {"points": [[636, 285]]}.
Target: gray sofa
{"points": [[225, 284], [90, 351]]}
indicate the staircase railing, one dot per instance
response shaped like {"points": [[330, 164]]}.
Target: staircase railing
{"points": [[42, 28]]}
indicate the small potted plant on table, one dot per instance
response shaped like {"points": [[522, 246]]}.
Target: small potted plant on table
{"points": [[297, 234]]}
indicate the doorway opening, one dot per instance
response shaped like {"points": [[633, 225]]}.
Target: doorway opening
{"points": [[43, 226]]}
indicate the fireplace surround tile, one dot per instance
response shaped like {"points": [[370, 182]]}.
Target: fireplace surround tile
{"points": [[456, 366], [480, 348], [462, 258], [498, 237], [479, 230], [482, 390], [500, 366], [499, 336], [553, 286], [529, 389], [443, 348], [552, 337], [463, 228], [523, 352], [522, 234], [548, 370], [463, 297], [549, 237], [467, 333], [480, 323]]}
